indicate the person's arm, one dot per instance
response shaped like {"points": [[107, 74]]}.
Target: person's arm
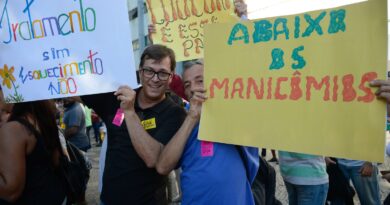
{"points": [[63, 144], [367, 169], [173, 151], [71, 131], [383, 89], [383, 93], [386, 176], [151, 32], [147, 148], [12, 161], [329, 161], [73, 122], [240, 8]]}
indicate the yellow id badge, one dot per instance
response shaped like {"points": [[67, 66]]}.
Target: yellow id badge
{"points": [[149, 123]]}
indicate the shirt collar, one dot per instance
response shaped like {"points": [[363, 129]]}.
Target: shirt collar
{"points": [[158, 108]]}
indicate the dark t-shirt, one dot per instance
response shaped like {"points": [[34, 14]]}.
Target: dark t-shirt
{"points": [[126, 178]]}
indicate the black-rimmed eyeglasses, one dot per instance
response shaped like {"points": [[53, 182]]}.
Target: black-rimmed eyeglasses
{"points": [[161, 75]]}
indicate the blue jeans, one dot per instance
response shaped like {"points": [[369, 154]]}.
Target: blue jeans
{"points": [[306, 194], [367, 188]]}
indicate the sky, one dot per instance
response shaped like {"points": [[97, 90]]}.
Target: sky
{"points": [[269, 8]]}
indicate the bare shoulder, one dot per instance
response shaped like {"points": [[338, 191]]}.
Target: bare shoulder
{"points": [[13, 131]]}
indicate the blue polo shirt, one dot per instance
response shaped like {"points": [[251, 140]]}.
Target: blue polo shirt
{"points": [[214, 173]]}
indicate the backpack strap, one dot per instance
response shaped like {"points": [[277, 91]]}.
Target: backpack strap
{"points": [[243, 161]]}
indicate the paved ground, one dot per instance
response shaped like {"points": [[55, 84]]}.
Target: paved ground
{"points": [[93, 194], [281, 194]]}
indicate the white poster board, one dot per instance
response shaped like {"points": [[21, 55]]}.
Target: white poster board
{"points": [[61, 48]]}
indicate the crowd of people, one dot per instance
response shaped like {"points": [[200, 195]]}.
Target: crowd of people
{"points": [[148, 132]]}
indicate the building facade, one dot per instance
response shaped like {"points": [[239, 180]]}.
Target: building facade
{"points": [[134, 27]]}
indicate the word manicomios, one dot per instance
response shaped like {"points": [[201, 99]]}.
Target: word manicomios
{"points": [[334, 88]]}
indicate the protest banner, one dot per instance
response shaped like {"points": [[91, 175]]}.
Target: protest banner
{"points": [[54, 49], [179, 24], [299, 83]]}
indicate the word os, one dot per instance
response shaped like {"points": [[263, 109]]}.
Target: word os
{"points": [[278, 59]]}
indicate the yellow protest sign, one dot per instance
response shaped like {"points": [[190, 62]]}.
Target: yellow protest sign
{"points": [[179, 24], [299, 83]]}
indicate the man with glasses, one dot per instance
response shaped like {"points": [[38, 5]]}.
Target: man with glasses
{"points": [[150, 120]]}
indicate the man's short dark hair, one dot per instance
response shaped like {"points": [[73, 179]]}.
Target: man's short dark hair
{"points": [[158, 53]]}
